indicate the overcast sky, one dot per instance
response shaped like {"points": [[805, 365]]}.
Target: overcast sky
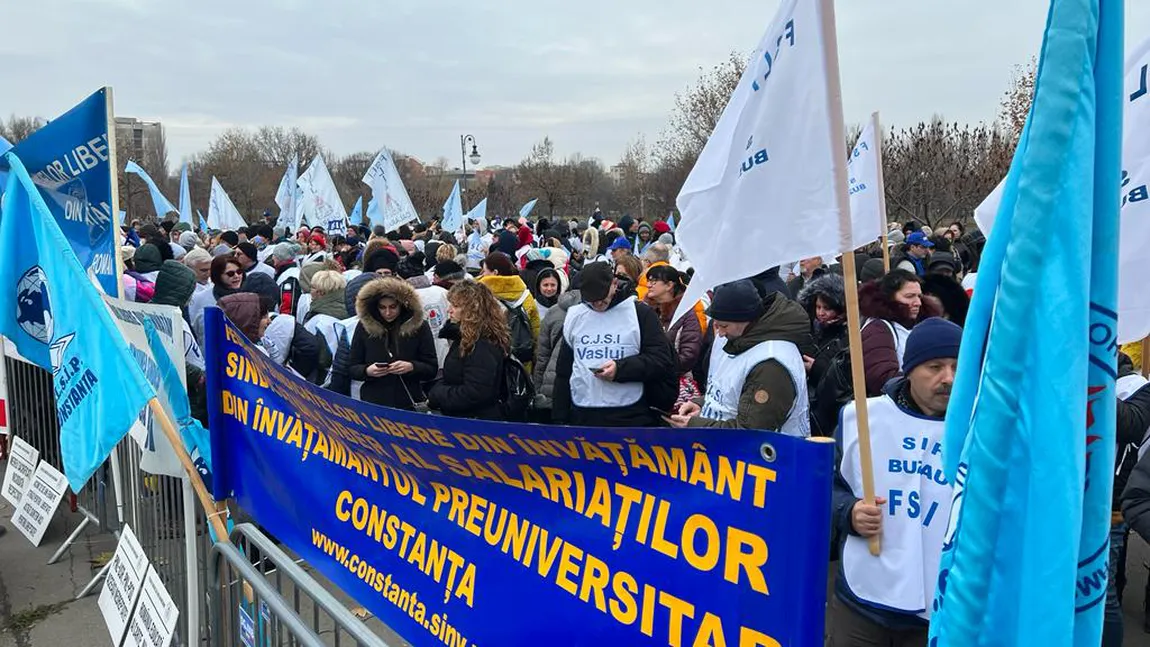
{"points": [[414, 75]]}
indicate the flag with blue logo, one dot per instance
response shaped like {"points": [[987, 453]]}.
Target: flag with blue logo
{"points": [[195, 437], [52, 312], [356, 217], [185, 197], [1030, 426], [162, 205], [527, 208], [72, 161], [453, 211]]}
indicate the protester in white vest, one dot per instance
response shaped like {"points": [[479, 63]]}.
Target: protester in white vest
{"points": [[757, 379], [886, 600], [615, 364]]}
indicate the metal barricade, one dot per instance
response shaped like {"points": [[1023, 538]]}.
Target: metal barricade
{"points": [[32, 413], [308, 598], [246, 609]]}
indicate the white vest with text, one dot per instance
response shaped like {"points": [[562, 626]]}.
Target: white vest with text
{"points": [[594, 338], [907, 451], [897, 332], [728, 373]]}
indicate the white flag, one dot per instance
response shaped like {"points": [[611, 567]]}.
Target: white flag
{"points": [[867, 217], [1134, 233], [285, 197], [389, 193], [762, 191], [321, 205], [222, 214]]}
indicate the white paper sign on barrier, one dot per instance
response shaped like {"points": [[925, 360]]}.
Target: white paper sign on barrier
{"points": [[122, 585], [154, 621], [21, 467], [38, 505]]}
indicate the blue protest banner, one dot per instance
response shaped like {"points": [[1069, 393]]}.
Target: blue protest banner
{"points": [[469, 532], [69, 159]]}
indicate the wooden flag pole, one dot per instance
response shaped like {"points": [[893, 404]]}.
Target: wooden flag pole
{"points": [[878, 139], [213, 510], [1145, 357], [850, 274]]}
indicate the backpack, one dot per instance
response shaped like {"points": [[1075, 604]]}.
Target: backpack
{"points": [[309, 355], [522, 340], [516, 392], [289, 296]]}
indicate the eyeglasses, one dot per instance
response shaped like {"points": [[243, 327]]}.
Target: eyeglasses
{"points": [[622, 277], [231, 273]]}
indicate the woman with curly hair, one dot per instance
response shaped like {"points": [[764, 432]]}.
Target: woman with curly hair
{"points": [[473, 368]]}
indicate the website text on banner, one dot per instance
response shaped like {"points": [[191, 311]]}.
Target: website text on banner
{"points": [[69, 159], [509, 534]]}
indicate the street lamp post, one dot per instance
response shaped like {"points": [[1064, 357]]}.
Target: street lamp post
{"points": [[463, 156]]}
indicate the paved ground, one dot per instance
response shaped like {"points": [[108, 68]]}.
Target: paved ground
{"points": [[37, 607]]}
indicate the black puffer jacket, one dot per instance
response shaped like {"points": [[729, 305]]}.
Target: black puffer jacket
{"points": [[408, 339], [340, 364], [1133, 419], [470, 384]]}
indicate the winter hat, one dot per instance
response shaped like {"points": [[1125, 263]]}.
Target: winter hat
{"points": [[896, 237], [381, 259], [448, 269], [249, 250], [736, 301], [661, 227], [319, 238], [666, 238], [147, 258], [188, 240], [182, 227], [264, 286], [872, 270], [932, 338], [595, 281], [943, 258]]}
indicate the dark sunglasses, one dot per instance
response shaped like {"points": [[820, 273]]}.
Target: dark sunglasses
{"points": [[231, 273], [622, 277]]}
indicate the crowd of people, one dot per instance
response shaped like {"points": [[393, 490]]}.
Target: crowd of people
{"points": [[583, 313]]}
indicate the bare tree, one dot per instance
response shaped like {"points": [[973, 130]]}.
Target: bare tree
{"points": [[17, 129], [937, 172], [278, 145], [1015, 105], [543, 178], [698, 109], [634, 183]]}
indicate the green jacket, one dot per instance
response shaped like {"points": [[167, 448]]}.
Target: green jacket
{"points": [[768, 392]]}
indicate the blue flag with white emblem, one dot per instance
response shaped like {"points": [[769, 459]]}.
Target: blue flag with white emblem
{"points": [[1030, 427], [57, 319], [356, 217], [528, 208]]}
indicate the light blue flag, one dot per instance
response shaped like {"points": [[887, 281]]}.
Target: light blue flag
{"points": [[162, 204], [1030, 425], [185, 197], [200, 218], [374, 215], [123, 216], [5, 145], [356, 217], [478, 213], [53, 313], [671, 220], [453, 211], [196, 439], [526, 210]]}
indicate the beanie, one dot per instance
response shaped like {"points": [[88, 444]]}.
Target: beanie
{"points": [[872, 270], [933, 338], [737, 301], [249, 250], [596, 280], [448, 269]]}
